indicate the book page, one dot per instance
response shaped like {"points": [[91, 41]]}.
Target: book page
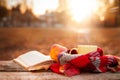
{"points": [[32, 58], [44, 65]]}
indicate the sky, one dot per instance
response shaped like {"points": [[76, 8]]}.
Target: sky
{"points": [[38, 7]]}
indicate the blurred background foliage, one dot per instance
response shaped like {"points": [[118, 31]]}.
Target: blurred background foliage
{"points": [[24, 13]]}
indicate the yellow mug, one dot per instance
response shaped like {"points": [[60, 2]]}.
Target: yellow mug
{"points": [[83, 49]]}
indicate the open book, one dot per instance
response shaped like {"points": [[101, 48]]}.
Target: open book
{"points": [[34, 60]]}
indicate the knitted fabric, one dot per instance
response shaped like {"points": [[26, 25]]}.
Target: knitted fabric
{"points": [[88, 68], [55, 68], [118, 69], [102, 62], [100, 51], [77, 59], [66, 69], [97, 53], [80, 61], [64, 57], [71, 70], [112, 60], [99, 63]]}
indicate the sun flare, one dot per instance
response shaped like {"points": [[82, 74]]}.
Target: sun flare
{"points": [[81, 9]]}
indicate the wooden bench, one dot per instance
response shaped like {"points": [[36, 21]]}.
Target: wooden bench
{"points": [[12, 71]]}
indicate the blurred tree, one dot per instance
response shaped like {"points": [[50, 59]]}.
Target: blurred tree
{"points": [[3, 3], [3, 10], [23, 6], [108, 12], [63, 17], [117, 10]]}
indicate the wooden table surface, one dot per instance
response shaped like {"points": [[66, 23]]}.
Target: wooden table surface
{"points": [[9, 70], [16, 41]]}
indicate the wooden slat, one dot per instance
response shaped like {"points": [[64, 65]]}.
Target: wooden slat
{"points": [[54, 76], [12, 71], [10, 66]]}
